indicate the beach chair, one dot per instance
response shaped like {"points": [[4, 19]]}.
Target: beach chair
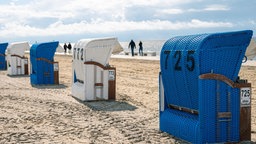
{"points": [[3, 47], [17, 63], [92, 76], [202, 99], [44, 70]]}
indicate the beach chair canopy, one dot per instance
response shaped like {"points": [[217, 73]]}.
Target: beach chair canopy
{"points": [[3, 47], [60, 48], [44, 50], [251, 50], [97, 49], [18, 48], [184, 58]]}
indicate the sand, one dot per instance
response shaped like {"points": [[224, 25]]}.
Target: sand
{"points": [[49, 114]]}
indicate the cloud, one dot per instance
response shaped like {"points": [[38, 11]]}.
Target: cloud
{"points": [[171, 11], [217, 7], [65, 10], [59, 28], [252, 22], [63, 17], [208, 24]]}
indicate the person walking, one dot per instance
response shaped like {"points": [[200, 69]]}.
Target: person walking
{"points": [[140, 49], [132, 45], [69, 47], [65, 47]]}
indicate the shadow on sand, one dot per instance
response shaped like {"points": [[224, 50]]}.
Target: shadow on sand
{"points": [[50, 86], [108, 105], [18, 76]]}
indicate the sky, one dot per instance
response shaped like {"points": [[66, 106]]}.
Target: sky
{"points": [[71, 20]]}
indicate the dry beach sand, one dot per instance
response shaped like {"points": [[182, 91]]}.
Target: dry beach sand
{"points": [[49, 114]]}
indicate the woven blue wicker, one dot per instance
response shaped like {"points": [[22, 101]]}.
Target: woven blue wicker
{"points": [[3, 47], [183, 59], [39, 68]]}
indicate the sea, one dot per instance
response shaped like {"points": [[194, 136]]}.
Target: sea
{"points": [[148, 45]]}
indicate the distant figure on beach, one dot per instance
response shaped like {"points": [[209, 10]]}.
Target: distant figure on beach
{"points": [[65, 47], [132, 45], [140, 49], [69, 46]]}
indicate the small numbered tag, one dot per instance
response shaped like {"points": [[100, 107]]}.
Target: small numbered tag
{"points": [[111, 75], [245, 97], [56, 67], [25, 61]]}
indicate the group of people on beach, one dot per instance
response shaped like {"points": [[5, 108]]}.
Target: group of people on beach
{"points": [[132, 45], [69, 47]]}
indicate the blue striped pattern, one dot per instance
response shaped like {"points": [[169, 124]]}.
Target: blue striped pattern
{"points": [[3, 47], [38, 68], [182, 60]]}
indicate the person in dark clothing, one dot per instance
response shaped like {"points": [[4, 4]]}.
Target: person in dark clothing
{"points": [[140, 49], [132, 45], [69, 46], [65, 47]]}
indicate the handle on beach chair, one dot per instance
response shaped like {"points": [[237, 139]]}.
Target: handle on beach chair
{"points": [[244, 59]]}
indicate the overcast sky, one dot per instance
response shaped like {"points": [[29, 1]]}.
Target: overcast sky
{"points": [[71, 20]]}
